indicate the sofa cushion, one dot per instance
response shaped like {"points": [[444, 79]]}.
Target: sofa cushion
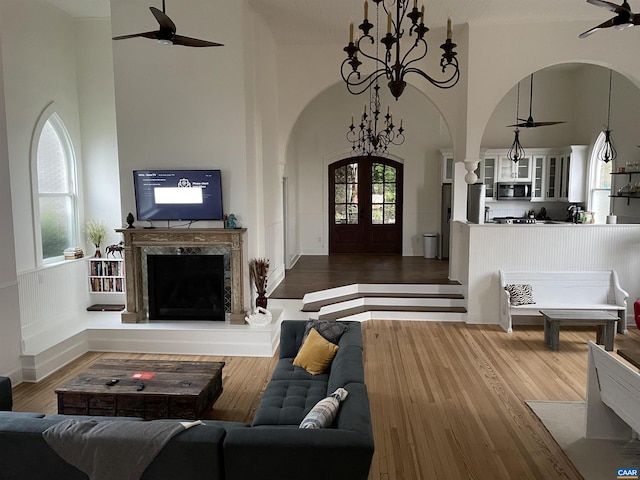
{"points": [[324, 412], [353, 335], [287, 402], [316, 353], [347, 367], [286, 370], [4, 415], [330, 330]]}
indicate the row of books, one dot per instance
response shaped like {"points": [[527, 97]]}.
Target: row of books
{"points": [[72, 253]]}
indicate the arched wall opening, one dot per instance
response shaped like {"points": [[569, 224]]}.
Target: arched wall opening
{"points": [[318, 138], [576, 93]]}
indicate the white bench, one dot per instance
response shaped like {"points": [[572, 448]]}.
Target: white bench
{"points": [[587, 290], [613, 396]]}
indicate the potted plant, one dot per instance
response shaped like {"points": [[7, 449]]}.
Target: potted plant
{"points": [[96, 232], [258, 269]]}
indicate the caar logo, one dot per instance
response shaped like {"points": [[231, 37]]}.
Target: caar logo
{"points": [[627, 473]]}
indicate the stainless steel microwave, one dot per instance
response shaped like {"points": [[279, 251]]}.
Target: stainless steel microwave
{"points": [[514, 191]]}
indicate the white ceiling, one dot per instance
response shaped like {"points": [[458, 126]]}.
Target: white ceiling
{"points": [[324, 21]]}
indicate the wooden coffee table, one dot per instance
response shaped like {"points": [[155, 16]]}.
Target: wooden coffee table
{"points": [[171, 389], [605, 321]]}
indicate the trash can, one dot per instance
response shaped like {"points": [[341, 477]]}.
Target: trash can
{"points": [[430, 243]]}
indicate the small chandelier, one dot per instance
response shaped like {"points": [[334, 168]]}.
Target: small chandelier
{"points": [[395, 63], [367, 140], [516, 152], [607, 152]]}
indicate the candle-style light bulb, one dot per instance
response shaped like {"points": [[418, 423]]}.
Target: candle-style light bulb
{"points": [[422, 13], [415, 3], [389, 22], [366, 10], [449, 34], [351, 32]]}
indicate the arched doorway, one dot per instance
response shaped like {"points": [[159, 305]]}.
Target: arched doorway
{"points": [[365, 206]]}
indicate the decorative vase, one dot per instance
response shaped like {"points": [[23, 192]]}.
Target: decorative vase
{"points": [[98, 253], [261, 300]]}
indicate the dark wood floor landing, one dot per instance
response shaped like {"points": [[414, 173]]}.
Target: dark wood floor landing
{"points": [[319, 272]]}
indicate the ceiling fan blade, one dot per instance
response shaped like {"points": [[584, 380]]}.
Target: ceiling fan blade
{"points": [[163, 19], [607, 24], [636, 19], [541, 124], [153, 35], [194, 42], [609, 6]]}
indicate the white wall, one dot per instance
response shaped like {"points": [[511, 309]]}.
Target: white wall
{"points": [[98, 126], [9, 301], [39, 61]]}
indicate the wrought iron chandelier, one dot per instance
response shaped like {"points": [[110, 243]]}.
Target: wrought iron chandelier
{"points": [[607, 152], [516, 152], [395, 64], [365, 138]]}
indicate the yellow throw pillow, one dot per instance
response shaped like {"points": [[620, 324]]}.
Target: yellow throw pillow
{"points": [[316, 353]]}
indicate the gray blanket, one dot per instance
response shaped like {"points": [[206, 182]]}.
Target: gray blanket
{"points": [[108, 450]]}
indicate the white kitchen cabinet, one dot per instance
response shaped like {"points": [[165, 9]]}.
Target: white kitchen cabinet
{"points": [[514, 171], [447, 167], [538, 178], [489, 167], [572, 173], [552, 177]]}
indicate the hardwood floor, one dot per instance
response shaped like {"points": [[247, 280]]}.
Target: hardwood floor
{"points": [[447, 399], [319, 272]]}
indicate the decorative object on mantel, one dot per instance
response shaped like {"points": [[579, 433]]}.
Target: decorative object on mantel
{"points": [[96, 231], [230, 221], [130, 220], [116, 247], [258, 269], [625, 18], [516, 152], [166, 35], [394, 64], [529, 123], [261, 318], [607, 152]]}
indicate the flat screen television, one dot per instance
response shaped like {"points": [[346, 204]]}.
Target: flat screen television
{"points": [[178, 194]]}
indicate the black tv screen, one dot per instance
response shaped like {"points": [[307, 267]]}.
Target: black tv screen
{"points": [[178, 194]]}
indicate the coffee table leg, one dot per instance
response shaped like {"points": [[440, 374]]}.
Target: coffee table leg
{"points": [[609, 334], [547, 332], [554, 336]]}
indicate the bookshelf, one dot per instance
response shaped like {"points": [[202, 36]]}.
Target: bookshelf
{"points": [[106, 276]]}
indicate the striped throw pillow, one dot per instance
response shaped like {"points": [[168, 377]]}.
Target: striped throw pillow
{"points": [[324, 412], [520, 293]]}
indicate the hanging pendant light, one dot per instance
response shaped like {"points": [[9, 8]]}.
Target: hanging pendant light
{"points": [[516, 152], [607, 152]]}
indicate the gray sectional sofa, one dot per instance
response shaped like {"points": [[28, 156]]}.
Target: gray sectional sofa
{"points": [[273, 447]]}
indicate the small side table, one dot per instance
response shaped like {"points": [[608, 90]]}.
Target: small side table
{"points": [[605, 321]]}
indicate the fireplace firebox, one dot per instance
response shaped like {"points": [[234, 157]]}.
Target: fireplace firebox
{"points": [[186, 287]]}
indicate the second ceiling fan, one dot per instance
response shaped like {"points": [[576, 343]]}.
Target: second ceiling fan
{"points": [[167, 32], [529, 122]]}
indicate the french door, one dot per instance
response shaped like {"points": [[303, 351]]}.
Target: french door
{"points": [[365, 206]]}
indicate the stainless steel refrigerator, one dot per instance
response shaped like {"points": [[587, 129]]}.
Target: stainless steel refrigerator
{"points": [[475, 212]]}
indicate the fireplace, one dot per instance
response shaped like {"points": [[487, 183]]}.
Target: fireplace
{"points": [[193, 245], [186, 287]]}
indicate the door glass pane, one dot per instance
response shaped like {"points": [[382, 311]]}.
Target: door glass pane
{"points": [[389, 174], [352, 211], [352, 193], [377, 190], [377, 214], [352, 173], [390, 193], [341, 175], [389, 214], [341, 214], [341, 194]]}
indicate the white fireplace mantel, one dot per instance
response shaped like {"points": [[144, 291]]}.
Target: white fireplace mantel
{"points": [[136, 239]]}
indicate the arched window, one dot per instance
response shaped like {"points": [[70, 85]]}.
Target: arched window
{"points": [[599, 184], [54, 187]]}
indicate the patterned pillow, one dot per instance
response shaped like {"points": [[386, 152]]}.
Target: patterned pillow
{"points": [[324, 412], [520, 293], [330, 330]]}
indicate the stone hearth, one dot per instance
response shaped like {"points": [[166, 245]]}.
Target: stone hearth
{"points": [[140, 242]]}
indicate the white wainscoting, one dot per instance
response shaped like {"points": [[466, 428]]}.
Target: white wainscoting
{"points": [[544, 248], [53, 301]]}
